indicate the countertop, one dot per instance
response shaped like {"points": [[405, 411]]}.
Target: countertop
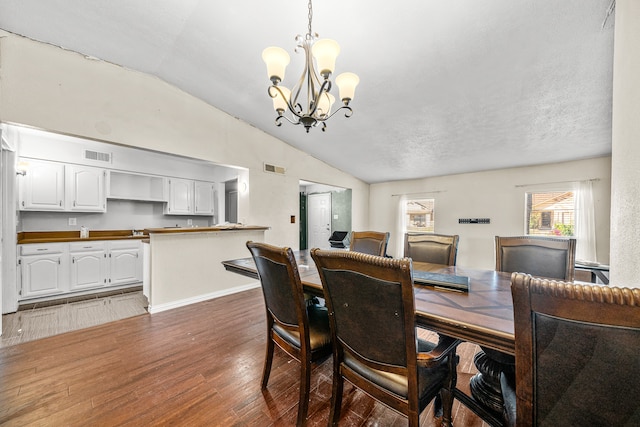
{"points": [[231, 227], [26, 237]]}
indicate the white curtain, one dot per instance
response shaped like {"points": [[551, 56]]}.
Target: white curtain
{"points": [[398, 236], [585, 223]]}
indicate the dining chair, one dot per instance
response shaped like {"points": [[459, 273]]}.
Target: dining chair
{"points": [[550, 257], [298, 328], [373, 331], [369, 242], [433, 248], [577, 361]]}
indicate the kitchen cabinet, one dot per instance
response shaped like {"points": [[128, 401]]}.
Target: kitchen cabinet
{"points": [[41, 188], [88, 265], [180, 197], [53, 186], [189, 197], [204, 197], [42, 270], [54, 269], [85, 190], [125, 262]]}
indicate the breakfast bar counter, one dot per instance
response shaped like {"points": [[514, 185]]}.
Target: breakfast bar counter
{"points": [[184, 265]]}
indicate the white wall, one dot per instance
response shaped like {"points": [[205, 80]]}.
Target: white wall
{"points": [[625, 188], [53, 89], [493, 194]]}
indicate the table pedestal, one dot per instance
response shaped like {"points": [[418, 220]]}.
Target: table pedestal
{"points": [[485, 385]]}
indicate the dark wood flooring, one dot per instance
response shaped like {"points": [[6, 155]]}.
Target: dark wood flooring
{"points": [[198, 365]]}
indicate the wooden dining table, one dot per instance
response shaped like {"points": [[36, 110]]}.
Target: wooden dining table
{"points": [[483, 315]]}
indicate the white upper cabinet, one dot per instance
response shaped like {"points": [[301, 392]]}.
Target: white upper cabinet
{"points": [[204, 198], [180, 197], [53, 186], [189, 197], [41, 188], [85, 189]]}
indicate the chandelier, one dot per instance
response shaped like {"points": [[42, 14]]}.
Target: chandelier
{"points": [[309, 103]]}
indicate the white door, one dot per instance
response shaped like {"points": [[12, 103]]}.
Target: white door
{"points": [[86, 189], [319, 220], [87, 269], [42, 188], [203, 195]]}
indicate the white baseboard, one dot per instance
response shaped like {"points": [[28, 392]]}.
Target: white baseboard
{"points": [[200, 298]]}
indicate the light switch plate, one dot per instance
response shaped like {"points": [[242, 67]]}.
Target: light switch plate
{"points": [[72, 221]]}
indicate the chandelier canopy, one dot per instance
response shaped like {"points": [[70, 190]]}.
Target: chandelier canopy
{"points": [[315, 109]]}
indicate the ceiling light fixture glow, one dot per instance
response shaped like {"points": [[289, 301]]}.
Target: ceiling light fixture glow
{"points": [[316, 108]]}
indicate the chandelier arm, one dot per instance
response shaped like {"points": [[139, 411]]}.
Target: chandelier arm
{"points": [[279, 118], [347, 113]]}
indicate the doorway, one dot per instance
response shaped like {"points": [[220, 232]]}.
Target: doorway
{"points": [[319, 220], [231, 201], [324, 209]]}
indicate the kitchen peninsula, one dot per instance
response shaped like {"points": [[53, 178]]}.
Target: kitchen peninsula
{"points": [[184, 265]]}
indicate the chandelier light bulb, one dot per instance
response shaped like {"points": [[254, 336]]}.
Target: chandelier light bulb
{"points": [[325, 51], [325, 102], [347, 83], [277, 60]]}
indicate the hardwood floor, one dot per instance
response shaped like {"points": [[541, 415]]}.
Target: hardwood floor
{"points": [[198, 365]]}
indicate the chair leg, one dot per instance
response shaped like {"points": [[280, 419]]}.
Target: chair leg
{"points": [[268, 359], [447, 392], [336, 397], [305, 387]]}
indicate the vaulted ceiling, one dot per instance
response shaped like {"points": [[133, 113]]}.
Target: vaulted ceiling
{"points": [[445, 86]]}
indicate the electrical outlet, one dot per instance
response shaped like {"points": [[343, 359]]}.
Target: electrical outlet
{"points": [[72, 221], [189, 221]]}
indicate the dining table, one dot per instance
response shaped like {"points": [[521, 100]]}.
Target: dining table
{"points": [[483, 315]]}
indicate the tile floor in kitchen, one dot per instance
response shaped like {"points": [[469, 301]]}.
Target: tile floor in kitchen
{"points": [[40, 320]]}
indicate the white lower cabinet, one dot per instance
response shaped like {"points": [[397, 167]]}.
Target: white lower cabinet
{"points": [[51, 269], [43, 270], [88, 265], [125, 262]]}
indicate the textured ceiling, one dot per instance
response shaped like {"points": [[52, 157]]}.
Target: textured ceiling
{"points": [[445, 86]]}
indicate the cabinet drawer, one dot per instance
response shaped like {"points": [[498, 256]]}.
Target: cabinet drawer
{"points": [[44, 248], [86, 246]]}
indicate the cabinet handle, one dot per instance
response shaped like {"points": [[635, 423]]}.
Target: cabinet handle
{"points": [[74, 203], [60, 203], [73, 260], [23, 203]]}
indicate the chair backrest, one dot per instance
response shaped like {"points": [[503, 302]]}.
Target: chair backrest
{"points": [[549, 257], [369, 242], [367, 293], [433, 248], [281, 285], [577, 360]]}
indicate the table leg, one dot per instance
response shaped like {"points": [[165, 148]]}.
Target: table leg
{"points": [[485, 385]]}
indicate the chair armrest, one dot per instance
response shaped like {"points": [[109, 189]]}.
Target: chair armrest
{"points": [[446, 346]]}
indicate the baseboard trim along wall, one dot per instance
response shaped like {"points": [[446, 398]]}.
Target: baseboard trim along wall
{"points": [[200, 298]]}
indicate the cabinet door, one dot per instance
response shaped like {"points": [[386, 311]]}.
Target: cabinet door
{"points": [[204, 198], [42, 188], [180, 197], [42, 275], [87, 269], [125, 266], [86, 192]]}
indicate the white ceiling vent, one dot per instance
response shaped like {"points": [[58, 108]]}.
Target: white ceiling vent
{"points": [[97, 156], [274, 169]]}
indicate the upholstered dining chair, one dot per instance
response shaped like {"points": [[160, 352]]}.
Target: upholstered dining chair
{"points": [[369, 242], [298, 328], [549, 257], [577, 361], [374, 344], [433, 248]]}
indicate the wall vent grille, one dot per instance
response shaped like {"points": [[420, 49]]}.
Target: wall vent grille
{"points": [[274, 169], [97, 156]]}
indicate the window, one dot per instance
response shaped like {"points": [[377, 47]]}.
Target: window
{"points": [[550, 213], [419, 215]]}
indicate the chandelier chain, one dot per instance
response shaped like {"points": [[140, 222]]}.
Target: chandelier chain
{"points": [[310, 17]]}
